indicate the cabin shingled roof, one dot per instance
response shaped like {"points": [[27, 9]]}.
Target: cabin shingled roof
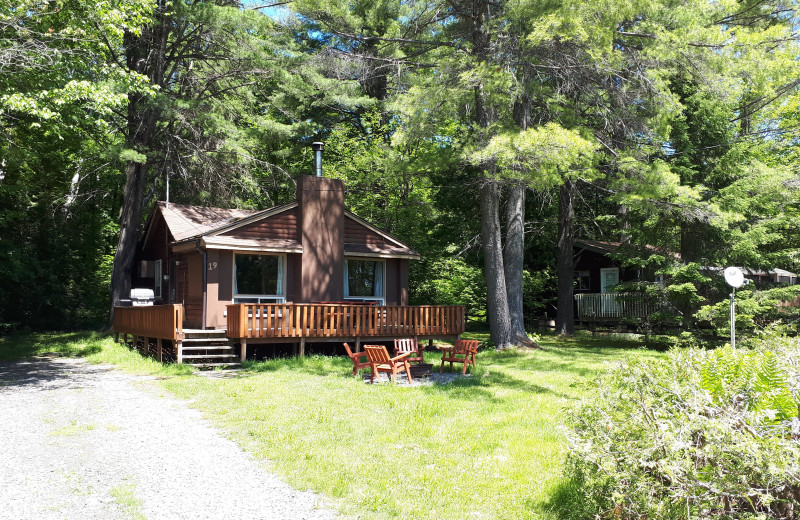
{"points": [[604, 248], [187, 222]]}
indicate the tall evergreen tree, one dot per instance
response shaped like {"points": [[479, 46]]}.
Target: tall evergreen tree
{"points": [[204, 60]]}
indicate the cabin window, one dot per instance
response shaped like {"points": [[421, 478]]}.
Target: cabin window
{"points": [[258, 279], [157, 281], [363, 280], [582, 281]]}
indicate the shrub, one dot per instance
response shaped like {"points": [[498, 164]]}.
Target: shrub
{"points": [[701, 434], [451, 281], [755, 308]]}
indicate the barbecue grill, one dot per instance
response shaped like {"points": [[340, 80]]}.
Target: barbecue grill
{"points": [[142, 297]]}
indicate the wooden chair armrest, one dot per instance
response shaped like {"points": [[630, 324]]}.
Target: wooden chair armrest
{"points": [[401, 356], [357, 355]]}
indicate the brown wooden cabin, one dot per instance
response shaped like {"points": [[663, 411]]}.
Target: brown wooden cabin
{"points": [[595, 268], [309, 270], [310, 251], [596, 272]]}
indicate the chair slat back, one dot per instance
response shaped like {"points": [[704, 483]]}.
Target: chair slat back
{"points": [[465, 346], [377, 354], [402, 346]]}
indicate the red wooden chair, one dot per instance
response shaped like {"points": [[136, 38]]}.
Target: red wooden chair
{"points": [[463, 351], [411, 346], [381, 362], [359, 359]]}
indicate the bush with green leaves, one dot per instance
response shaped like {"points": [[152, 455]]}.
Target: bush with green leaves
{"points": [[755, 308], [704, 433], [452, 281]]}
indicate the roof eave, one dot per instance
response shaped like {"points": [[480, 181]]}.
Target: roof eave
{"points": [[406, 256]]}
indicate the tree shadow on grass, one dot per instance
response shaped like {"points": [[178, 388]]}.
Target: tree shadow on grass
{"points": [[569, 501], [316, 365], [74, 344], [479, 387], [575, 360]]}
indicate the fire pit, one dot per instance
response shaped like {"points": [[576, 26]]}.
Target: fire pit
{"points": [[421, 370]]}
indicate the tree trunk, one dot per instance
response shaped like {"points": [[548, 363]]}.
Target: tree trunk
{"points": [[513, 256], [145, 54], [499, 316], [565, 314], [130, 215]]}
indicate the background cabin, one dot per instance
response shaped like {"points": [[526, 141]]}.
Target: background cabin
{"points": [[310, 251], [596, 270]]}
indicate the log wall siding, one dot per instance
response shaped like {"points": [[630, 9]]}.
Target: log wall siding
{"points": [[280, 226], [156, 321], [343, 321]]}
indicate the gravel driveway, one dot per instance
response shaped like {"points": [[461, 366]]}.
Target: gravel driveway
{"points": [[81, 441]]}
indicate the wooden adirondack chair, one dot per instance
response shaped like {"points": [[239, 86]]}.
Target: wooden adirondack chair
{"points": [[411, 346], [381, 362], [463, 351], [359, 359]]}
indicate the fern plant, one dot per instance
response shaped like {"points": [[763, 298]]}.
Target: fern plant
{"points": [[703, 434]]}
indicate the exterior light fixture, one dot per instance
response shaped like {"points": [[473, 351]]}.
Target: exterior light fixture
{"points": [[735, 278]]}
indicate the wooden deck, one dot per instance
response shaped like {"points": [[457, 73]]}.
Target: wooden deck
{"points": [[297, 323], [300, 322], [612, 306], [160, 322]]}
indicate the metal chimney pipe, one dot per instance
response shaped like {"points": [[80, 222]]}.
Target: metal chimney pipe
{"points": [[317, 147]]}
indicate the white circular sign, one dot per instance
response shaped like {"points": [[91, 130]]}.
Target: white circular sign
{"points": [[734, 276]]}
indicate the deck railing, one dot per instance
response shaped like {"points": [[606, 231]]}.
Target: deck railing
{"points": [[613, 305], [155, 321], [300, 320]]}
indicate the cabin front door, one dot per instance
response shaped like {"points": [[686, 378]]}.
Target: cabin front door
{"points": [[609, 276], [173, 281]]}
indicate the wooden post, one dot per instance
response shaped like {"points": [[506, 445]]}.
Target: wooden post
{"points": [[302, 347], [158, 350], [179, 351], [243, 348], [358, 343], [116, 337]]}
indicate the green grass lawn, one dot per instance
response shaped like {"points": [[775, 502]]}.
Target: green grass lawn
{"points": [[484, 446]]}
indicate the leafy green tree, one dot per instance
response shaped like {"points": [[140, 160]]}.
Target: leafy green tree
{"points": [[59, 97], [204, 124]]}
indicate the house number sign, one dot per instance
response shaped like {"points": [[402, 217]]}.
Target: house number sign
{"points": [[212, 266]]}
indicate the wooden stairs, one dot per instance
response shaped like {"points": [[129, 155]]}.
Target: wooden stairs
{"points": [[208, 349]]}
